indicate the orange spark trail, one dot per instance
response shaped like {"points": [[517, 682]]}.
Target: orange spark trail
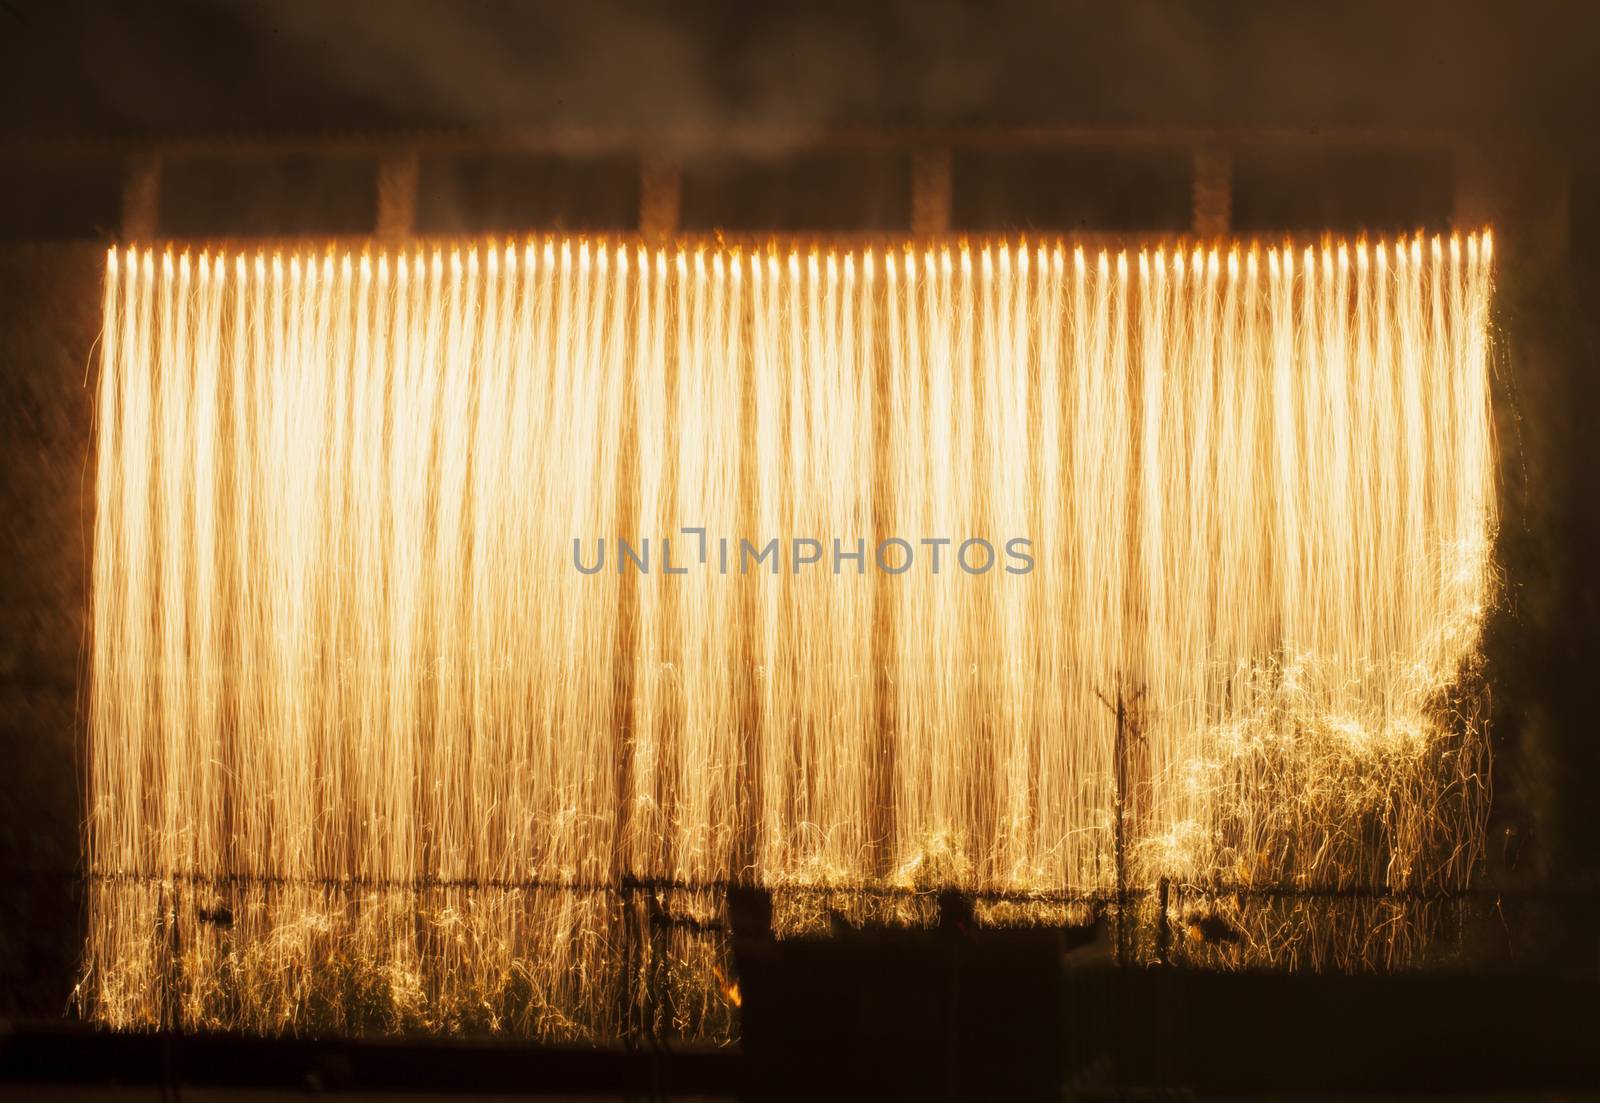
{"points": [[340, 640]]}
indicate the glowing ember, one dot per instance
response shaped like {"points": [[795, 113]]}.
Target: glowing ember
{"points": [[340, 638]]}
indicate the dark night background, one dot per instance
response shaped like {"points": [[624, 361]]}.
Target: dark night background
{"points": [[273, 118]]}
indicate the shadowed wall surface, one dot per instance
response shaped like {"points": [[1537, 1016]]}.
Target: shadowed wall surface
{"points": [[46, 349]]}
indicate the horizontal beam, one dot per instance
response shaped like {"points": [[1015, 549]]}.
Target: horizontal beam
{"points": [[578, 141]]}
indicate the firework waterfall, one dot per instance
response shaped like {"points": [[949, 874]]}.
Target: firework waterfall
{"points": [[522, 570]]}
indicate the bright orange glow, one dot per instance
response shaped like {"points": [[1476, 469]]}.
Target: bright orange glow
{"points": [[339, 638]]}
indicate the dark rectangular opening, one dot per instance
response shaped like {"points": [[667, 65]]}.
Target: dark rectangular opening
{"points": [[510, 193], [60, 198], [1381, 191], [227, 196], [859, 191], [1071, 190]]}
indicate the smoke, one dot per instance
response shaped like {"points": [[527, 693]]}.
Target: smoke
{"points": [[91, 66]]}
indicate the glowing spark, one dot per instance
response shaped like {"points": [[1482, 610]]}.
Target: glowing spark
{"points": [[338, 637]]}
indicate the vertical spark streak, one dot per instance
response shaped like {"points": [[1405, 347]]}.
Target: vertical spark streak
{"points": [[345, 671]]}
